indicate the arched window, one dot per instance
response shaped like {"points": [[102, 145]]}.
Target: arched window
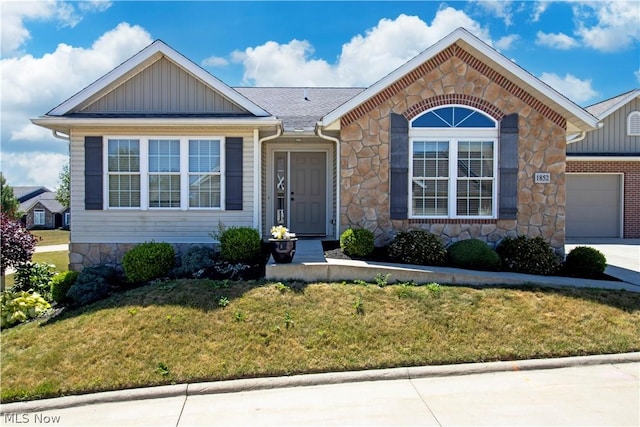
{"points": [[453, 164], [633, 123]]}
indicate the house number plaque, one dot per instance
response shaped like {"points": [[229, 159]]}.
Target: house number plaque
{"points": [[542, 178]]}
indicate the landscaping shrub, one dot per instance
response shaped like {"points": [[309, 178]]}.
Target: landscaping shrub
{"points": [[34, 277], [473, 254], [196, 258], [240, 244], [584, 261], [148, 261], [16, 243], [92, 284], [61, 283], [417, 247], [20, 306], [523, 254], [357, 242]]}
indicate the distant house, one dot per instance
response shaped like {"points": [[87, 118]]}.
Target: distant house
{"points": [[459, 141], [40, 208], [603, 172]]}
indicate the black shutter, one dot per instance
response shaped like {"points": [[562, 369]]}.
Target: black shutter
{"points": [[399, 171], [508, 168], [93, 173], [233, 174]]}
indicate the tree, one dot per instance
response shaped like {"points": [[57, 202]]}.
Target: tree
{"points": [[17, 245], [63, 193], [10, 205]]}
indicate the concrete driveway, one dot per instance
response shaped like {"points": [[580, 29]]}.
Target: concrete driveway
{"points": [[623, 256]]}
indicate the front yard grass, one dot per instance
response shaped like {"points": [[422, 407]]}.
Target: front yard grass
{"points": [[200, 330], [51, 237]]}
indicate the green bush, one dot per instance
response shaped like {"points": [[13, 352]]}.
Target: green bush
{"points": [[240, 244], [148, 261], [417, 247], [92, 284], [61, 283], [357, 242], [195, 259], [20, 306], [584, 261], [527, 255], [473, 254], [34, 277]]}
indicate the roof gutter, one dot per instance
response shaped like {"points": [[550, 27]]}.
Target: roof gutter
{"points": [[59, 135], [52, 122], [318, 132]]}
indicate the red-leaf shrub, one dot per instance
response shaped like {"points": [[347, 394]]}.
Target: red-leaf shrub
{"points": [[18, 244]]}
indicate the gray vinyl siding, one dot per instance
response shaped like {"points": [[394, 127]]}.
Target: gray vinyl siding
{"points": [[136, 226], [163, 88], [612, 138]]}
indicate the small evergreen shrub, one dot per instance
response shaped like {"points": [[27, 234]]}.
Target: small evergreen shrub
{"points": [[92, 284], [417, 247], [148, 261], [473, 254], [240, 244], [61, 283], [34, 277], [195, 259], [584, 261], [357, 242], [527, 255]]}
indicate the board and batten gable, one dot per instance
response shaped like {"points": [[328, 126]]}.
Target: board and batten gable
{"points": [[612, 137], [160, 88]]}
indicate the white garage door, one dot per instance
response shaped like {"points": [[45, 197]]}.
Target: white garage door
{"points": [[593, 205]]}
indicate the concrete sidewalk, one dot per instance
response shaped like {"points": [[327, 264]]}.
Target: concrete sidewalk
{"points": [[592, 390]]}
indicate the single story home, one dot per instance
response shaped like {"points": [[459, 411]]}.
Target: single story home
{"points": [[459, 141], [40, 209], [603, 172]]}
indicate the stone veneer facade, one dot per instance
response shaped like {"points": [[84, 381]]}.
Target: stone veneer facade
{"points": [[454, 76]]}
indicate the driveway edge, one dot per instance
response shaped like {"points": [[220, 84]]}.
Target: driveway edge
{"points": [[235, 386]]}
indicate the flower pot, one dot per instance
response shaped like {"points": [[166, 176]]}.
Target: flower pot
{"points": [[283, 250]]}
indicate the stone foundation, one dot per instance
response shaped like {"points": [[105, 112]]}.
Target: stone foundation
{"points": [[83, 255]]}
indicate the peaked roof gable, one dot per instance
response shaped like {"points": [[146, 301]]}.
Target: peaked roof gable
{"points": [[609, 106], [140, 61], [576, 117]]}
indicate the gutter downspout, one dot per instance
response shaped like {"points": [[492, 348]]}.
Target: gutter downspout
{"points": [[258, 178], [60, 136], [337, 166], [578, 138]]}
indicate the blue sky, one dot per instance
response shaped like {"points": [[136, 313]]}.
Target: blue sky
{"points": [[588, 51]]}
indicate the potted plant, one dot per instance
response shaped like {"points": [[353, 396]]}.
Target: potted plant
{"points": [[283, 244]]}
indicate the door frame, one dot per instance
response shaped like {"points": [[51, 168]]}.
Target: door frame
{"points": [[270, 181]]}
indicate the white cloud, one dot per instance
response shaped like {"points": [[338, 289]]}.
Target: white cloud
{"points": [[539, 8], [34, 168], [363, 60], [557, 41], [637, 74], [608, 26], [16, 13], [579, 91], [215, 61], [499, 9], [507, 42]]}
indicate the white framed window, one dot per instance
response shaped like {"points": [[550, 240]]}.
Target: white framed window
{"points": [[633, 123], [38, 217], [67, 218], [164, 172], [453, 165]]}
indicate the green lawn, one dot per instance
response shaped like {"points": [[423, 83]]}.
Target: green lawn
{"points": [[200, 330], [51, 237]]}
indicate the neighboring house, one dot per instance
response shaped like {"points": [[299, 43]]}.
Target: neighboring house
{"points": [[25, 193], [603, 172], [459, 141], [42, 211]]}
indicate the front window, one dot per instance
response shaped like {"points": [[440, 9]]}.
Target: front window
{"points": [[164, 173], [204, 173], [453, 164], [38, 217], [124, 173]]}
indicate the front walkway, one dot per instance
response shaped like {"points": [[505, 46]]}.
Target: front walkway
{"points": [[310, 265]]}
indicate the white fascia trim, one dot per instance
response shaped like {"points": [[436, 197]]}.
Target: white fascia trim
{"points": [[483, 48], [624, 101], [603, 158], [157, 47], [49, 122]]}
